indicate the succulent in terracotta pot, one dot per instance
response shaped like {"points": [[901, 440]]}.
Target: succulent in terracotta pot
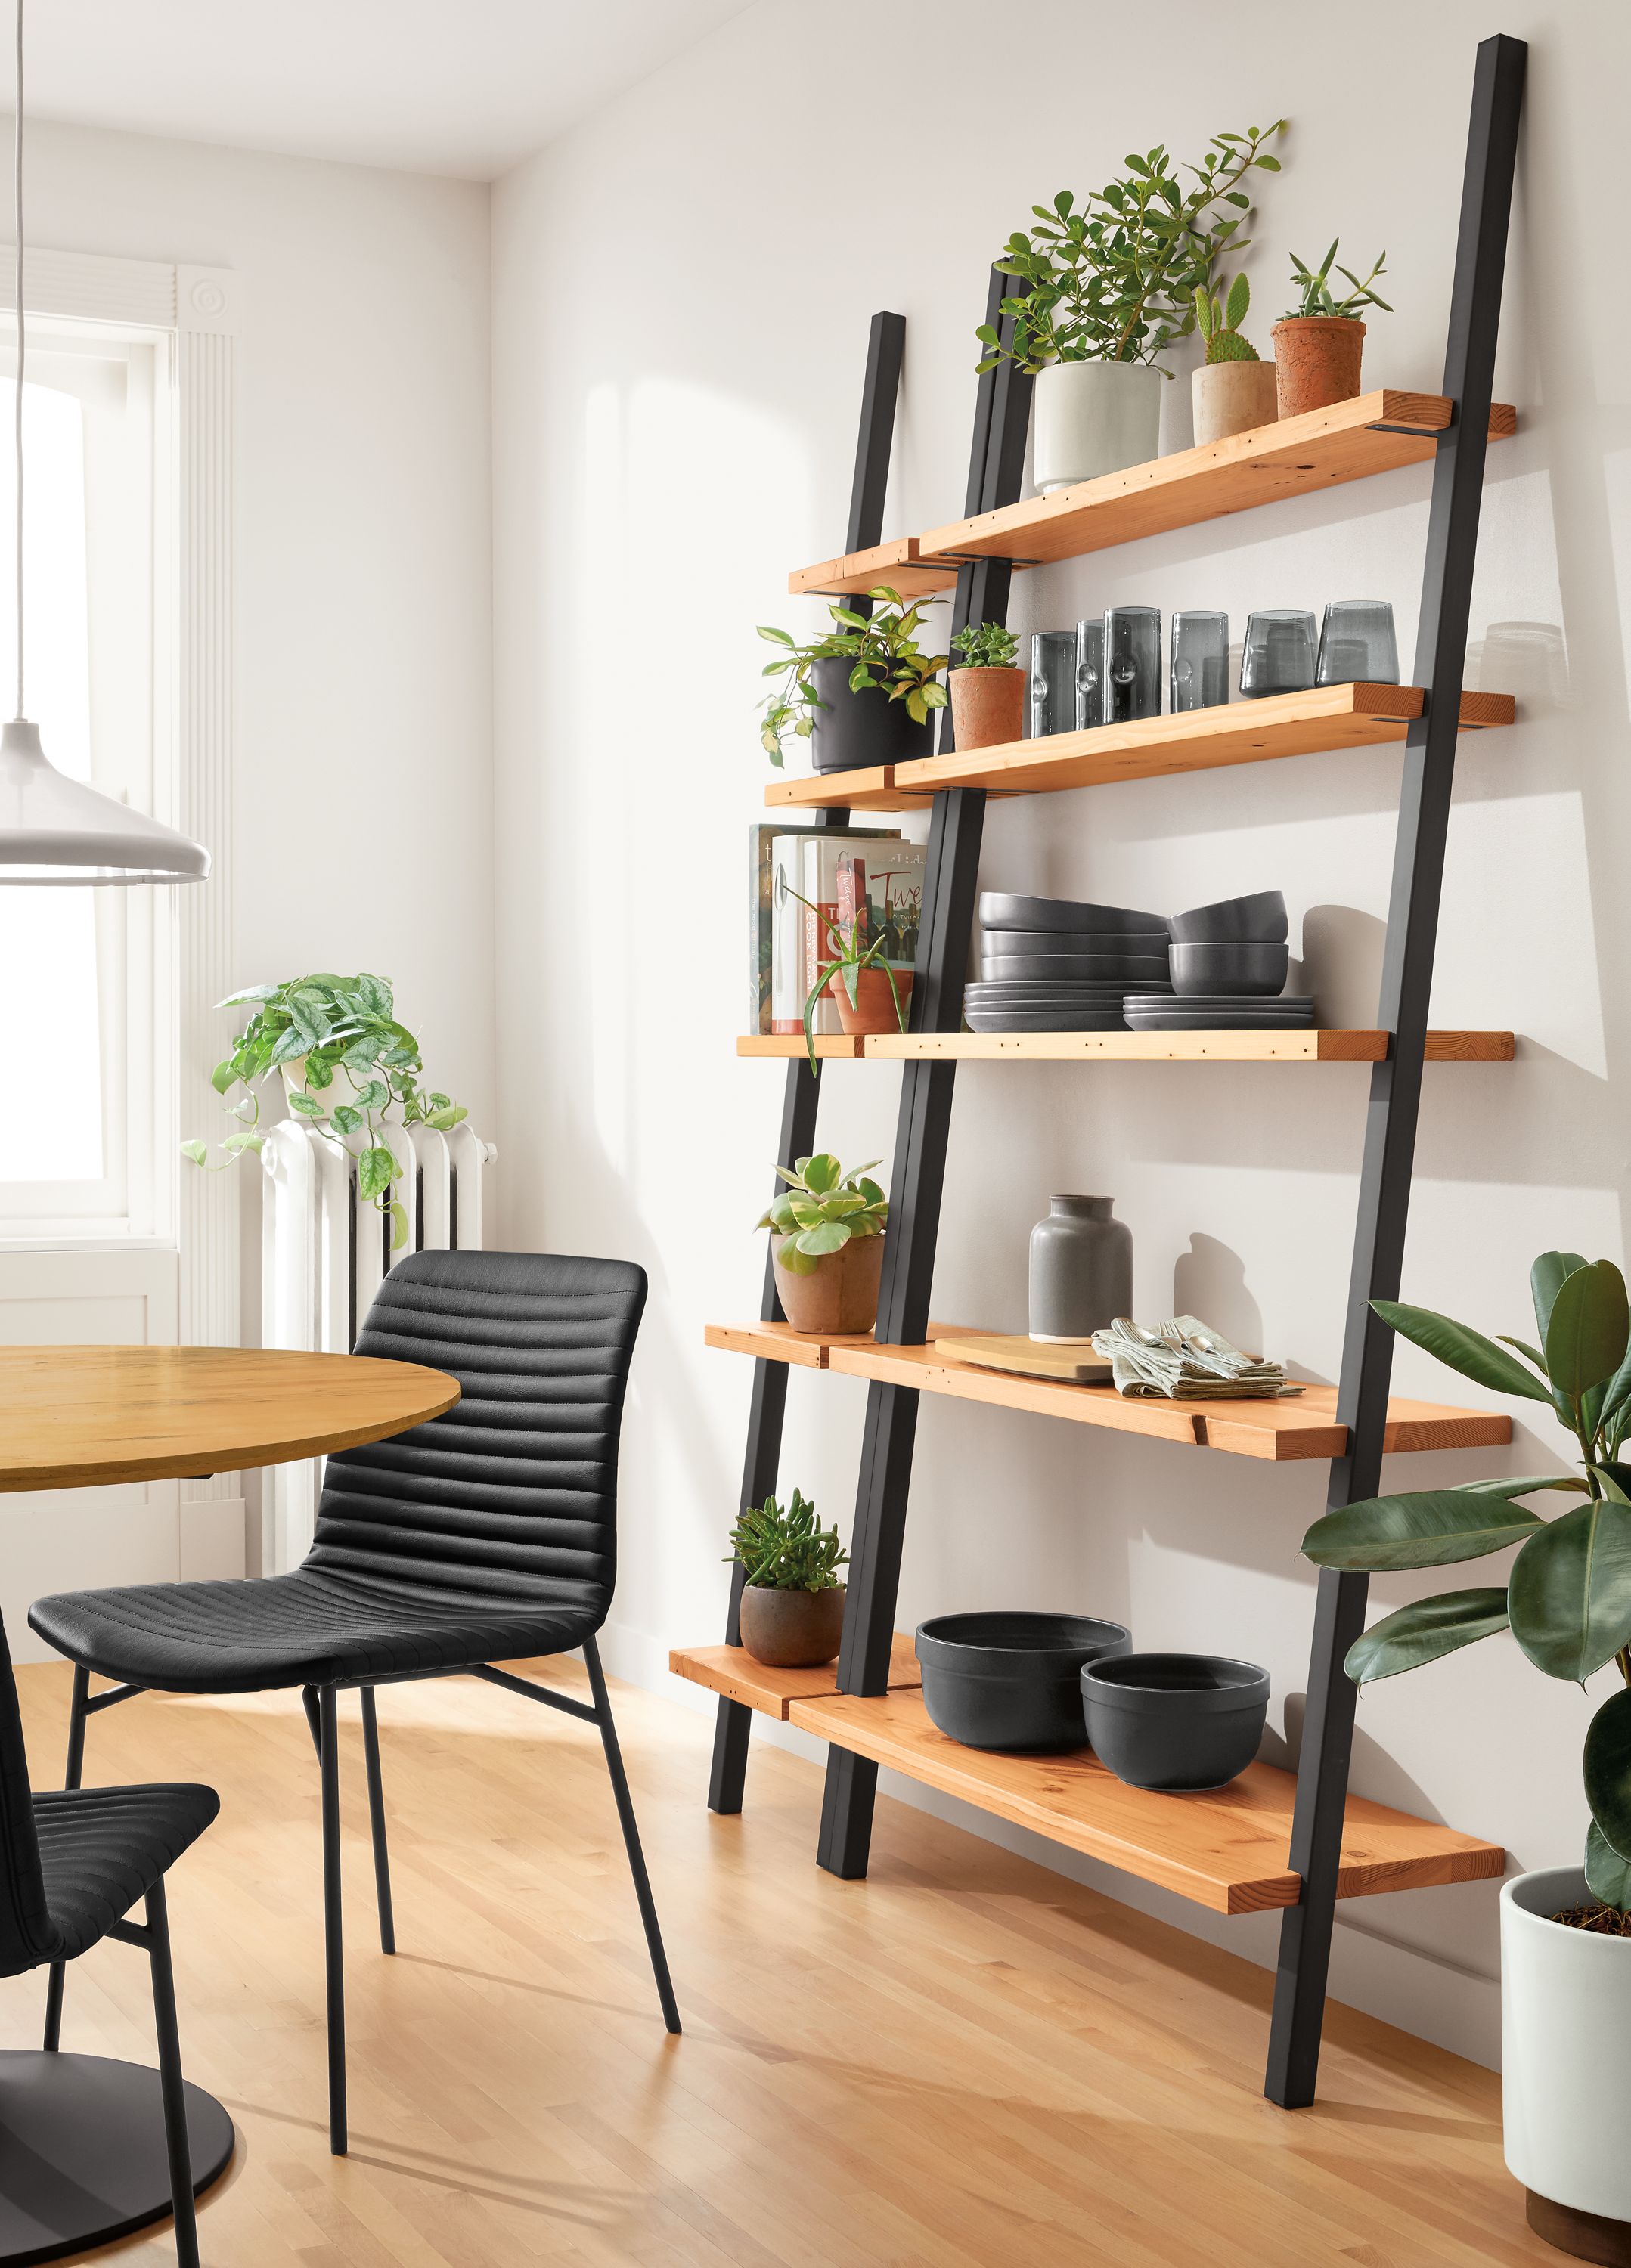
{"points": [[828, 1229], [1319, 343], [988, 687], [792, 1607]]}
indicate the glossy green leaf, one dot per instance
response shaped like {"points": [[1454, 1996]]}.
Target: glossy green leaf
{"points": [[196, 1151], [823, 1173], [1607, 1764], [223, 1075], [1424, 1631], [1608, 1875], [1546, 1279], [1569, 1593], [376, 1170], [1462, 1348], [1430, 1527], [305, 1105], [1588, 1329], [827, 1236]]}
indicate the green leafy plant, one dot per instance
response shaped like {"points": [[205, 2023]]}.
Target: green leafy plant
{"points": [[984, 645], [1567, 1597], [359, 1066], [848, 953], [788, 1551], [885, 655], [1219, 321], [820, 1208], [1317, 299], [1114, 278]]}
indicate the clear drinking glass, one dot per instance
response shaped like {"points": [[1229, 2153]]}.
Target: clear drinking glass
{"points": [[1278, 657], [1357, 646], [1199, 660], [1132, 663], [1051, 705], [1089, 674]]}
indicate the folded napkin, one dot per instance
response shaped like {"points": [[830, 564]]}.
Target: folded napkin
{"points": [[1187, 1360]]}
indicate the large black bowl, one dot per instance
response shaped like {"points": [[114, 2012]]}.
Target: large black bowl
{"points": [[1002, 910], [1175, 1720], [1005, 1679], [1257, 920], [1231, 970]]}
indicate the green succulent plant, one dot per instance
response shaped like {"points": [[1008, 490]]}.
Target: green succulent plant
{"points": [[1317, 299], [788, 1551], [1567, 1600], [984, 645], [1219, 321], [822, 1208]]}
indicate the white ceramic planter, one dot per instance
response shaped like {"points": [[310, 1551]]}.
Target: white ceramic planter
{"points": [[1089, 418], [1565, 2053]]}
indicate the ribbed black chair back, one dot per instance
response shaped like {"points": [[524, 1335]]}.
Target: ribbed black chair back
{"points": [[513, 1494], [26, 1937]]}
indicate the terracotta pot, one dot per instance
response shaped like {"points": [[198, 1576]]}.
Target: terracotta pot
{"points": [[1232, 397], [1316, 361], [987, 707], [872, 1009], [840, 1294], [792, 1629]]}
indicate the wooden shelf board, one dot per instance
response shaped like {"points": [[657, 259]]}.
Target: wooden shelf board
{"points": [[1227, 1849], [1281, 1431], [1326, 717], [843, 1046], [894, 564], [1275, 1046], [731, 1670]]}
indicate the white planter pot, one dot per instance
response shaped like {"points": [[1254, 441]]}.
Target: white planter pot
{"points": [[1565, 2057], [1089, 418]]}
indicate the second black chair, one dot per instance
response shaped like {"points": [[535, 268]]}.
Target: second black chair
{"points": [[488, 1535]]}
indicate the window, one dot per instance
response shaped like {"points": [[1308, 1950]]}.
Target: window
{"points": [[88, 1012]]}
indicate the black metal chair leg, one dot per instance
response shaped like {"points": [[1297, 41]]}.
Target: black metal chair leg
{"points": [[170, 2081], [334, 1949], [72, 1774], [376, 1823], [308, 1698], [631, 1836]]}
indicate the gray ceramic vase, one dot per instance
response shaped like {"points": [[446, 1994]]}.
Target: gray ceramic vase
{"points": [[1081, 1269]]}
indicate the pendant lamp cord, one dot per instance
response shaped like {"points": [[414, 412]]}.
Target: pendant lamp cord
{"points": [[22, 343]]}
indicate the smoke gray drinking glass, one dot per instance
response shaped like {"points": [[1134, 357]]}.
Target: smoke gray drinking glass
{"points": [[1199, 660], [1357, 646], [1089, 674], [1131, 664], [1278, 656], [1051, 701]]}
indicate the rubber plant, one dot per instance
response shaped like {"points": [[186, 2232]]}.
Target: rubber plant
{"points": [[820, 1208], [1567, 1596], [361, 1075], [885, 654], [787, 1550]]}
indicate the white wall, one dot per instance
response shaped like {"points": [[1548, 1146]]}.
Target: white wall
{"points": [[682, 289]]}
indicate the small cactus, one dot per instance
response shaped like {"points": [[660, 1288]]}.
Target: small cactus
{"points": [[1219, 321]]}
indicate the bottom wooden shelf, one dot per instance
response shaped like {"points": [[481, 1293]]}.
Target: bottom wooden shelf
{"points": [[1227, 1849], [731, 1670]]}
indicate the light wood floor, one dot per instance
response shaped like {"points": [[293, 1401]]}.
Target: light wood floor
{"points": [[963, 2063]]}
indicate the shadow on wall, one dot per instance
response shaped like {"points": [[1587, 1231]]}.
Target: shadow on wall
{"points": [[1209, 1280], [1342, 950], [1527, 659]]}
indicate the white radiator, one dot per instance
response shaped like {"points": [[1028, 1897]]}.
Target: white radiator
{"points": [[324, 1250]]}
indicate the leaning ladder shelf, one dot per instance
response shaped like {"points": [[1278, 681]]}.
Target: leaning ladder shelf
{"points": [[1270, 1840]]}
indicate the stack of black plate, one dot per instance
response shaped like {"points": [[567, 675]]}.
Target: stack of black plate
{"points": [[1051, 965], [1229, 961]]}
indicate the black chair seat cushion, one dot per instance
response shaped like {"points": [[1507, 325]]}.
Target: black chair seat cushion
{"points": [[103, 1848], [312, 1627]]}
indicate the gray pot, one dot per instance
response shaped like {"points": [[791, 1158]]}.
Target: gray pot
{"points": [[1009, 1679], [1081, 1269], [1175, 1720]]}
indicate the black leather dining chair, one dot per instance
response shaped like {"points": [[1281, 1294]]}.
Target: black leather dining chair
{"points": [[72, 1864], [488, 1535]]}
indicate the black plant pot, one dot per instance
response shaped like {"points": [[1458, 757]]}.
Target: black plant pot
{"points": [[1010, 1680], [1175, 1720], [854, 731]]}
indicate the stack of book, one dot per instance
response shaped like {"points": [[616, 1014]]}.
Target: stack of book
{"points": [[865, 874]]}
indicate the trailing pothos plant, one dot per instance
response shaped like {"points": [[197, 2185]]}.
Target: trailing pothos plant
{"points": [[359, 1075], [1567, 1597], [820, 1208], [1113, 279], [885, 654]]}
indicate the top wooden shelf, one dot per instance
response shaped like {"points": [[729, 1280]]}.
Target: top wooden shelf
{"points": [[1296, 456]]}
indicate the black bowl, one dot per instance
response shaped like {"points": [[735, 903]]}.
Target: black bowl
{"points": [[1149, 943], [1128, 967], [1258, 920], [1000, 909], [1175, 1720], [1232, 971], [1004, 1679]]}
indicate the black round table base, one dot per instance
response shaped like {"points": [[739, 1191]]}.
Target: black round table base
{"points": [[82, 2152]]}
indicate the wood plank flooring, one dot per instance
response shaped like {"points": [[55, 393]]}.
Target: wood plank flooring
{"points": [[963, 2063]]}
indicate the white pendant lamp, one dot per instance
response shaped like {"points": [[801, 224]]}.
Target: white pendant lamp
{"points": [[53, 829]]}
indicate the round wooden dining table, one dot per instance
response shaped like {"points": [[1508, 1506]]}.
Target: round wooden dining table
{"points": [[82, 2146]]}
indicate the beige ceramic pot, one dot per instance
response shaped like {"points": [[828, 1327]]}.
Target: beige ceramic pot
{"points": [[872, 1008], [839, 1295], [793, 1630], [987, 707], [1317, 358], [1231, 397]]}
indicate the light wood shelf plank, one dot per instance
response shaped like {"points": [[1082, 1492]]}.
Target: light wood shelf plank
{"points": [[1227, 1849], [895, 565], [1276, 1046], [733, 1671], [841, 1047]]}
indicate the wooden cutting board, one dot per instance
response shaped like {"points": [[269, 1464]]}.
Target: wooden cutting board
{"points": [[1077, 1365]]}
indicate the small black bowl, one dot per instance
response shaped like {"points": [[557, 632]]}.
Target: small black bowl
{"points": [[1175, 1720], [1257, 920], [1005, 1679], [1232, 970]]}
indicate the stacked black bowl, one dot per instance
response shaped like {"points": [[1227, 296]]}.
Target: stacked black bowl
{"points": [[1228, 967], [1051, 965]]}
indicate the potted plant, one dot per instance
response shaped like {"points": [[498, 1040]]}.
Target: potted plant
{"points": [[864, 691], [1234, 390], [792, 1609], [987, 689], [870, 992], [1109, 285], [1318, 344], [346, 1066], [827, 1243], [1565, 1931]]}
